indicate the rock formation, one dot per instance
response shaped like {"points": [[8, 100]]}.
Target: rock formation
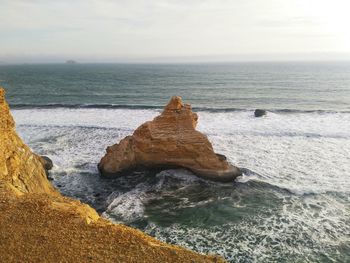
{"points": [[259, 113], [169, 140], [20, 169], [46, 162], [37, 224]]}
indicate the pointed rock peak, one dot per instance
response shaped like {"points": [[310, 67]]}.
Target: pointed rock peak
{"points": [[177, 114], [174, 104]]}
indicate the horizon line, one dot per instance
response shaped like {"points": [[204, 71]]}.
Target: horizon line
{"points": [[2, 63], [195, 59]]}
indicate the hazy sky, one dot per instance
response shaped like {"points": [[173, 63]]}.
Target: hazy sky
{"points": [[173, 30]]}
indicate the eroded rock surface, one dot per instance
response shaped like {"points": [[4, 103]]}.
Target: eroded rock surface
{"points": [[20, 168], [169, 140]]}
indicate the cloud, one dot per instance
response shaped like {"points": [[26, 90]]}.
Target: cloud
{"points": [[91, 29]]}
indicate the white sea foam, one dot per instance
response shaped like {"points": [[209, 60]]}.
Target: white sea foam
{"points": [[126, 207], [302, 230], [311, 124], [129, 206], [104, 118], [302, 152]]}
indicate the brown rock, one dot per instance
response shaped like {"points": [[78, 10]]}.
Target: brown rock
{"points": [[19, 166], [169, 140]]}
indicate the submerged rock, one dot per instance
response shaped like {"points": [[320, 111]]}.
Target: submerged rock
{"points": [[168, 141], [259, 113]]}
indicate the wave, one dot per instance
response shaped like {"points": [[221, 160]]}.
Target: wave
{"points": [[160, 107], [82, 106]]}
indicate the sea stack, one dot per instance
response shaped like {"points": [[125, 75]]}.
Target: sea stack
{"points": [[168, 141]]}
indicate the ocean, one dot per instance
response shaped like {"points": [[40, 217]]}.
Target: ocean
{"points": [[292, 203]]}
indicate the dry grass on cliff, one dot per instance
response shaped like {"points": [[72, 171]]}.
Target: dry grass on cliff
{"points": [[34, 228]]}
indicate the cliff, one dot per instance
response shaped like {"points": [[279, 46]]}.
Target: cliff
{"points": [[20, 169], [37, 224], [169, 140]]}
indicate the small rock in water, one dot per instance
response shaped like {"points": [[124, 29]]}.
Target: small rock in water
{"points": [[47, 162], [259, 113], [221, 157]]}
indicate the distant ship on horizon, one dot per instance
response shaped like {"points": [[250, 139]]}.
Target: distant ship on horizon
{"points": [[71, 62]]}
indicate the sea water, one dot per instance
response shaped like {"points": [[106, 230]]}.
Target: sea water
{"points": [[292, 203]]}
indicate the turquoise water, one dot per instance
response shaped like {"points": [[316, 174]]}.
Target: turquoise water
{"points": [[292, 203]]}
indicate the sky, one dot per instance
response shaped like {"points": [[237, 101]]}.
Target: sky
{"points": [[173, 30]]}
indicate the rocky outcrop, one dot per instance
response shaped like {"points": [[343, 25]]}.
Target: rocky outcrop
{"points": [[37, 224], [46, 162], [20, 168], [170, 140], [259, 113]]}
